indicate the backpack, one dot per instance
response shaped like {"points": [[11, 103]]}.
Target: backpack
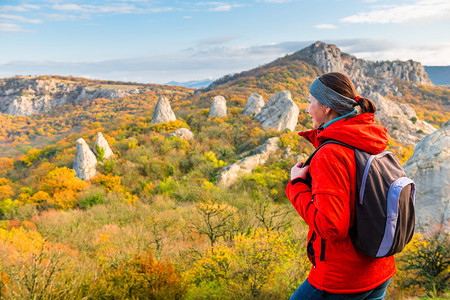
{"points": [[384, 206]]}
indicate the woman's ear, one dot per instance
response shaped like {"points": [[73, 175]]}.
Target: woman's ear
{"points": [[328, 110]]}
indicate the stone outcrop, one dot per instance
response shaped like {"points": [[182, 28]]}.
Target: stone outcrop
{"points": [[279, 113], [254, 105], [429, 167], [368, 76], [163, 112], [29, 95], [401, 120], [101, 143], [182, 133], [218, 107], [247, 164], [85, 161]]}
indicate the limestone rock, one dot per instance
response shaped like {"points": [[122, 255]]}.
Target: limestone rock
{"points": [[279, 113], [163, 112], [429, 168], [331, 59], [85, 161], [27, 95], [182, 133], [254, 105], [101, 142], [257, 157], [400, 120], [218, 107]]}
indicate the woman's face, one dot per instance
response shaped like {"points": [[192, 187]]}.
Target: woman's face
{"points": [[317, 111]]}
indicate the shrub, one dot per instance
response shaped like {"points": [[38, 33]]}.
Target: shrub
{"points": [[427, 262], [143, 277], [91, 197]]}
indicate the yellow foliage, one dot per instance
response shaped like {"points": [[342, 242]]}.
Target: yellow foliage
{"points": [[110, 182], [64, 199], [31, 157], [40, 197], [6, 164], [62, 179], [211, 157], [20, 243], [6, 191]]}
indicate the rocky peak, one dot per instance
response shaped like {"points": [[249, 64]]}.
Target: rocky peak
{"points": [[365, 73], [163, 111]]}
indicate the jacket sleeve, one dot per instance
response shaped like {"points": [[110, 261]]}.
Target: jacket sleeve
{"points": [[326, 206]]}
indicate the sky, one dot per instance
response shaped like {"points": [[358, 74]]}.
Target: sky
{"points": [[150, 41]]}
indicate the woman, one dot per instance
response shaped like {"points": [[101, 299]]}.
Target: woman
{"points": [[327, 204]]}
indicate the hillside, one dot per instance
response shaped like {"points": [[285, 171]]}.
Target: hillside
{"points": [[154, 222]]}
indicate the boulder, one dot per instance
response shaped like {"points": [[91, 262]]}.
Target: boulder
{"points": [[182, 133], [429, 167], [254, 105], [257, 157], [218, 107], [279, 113], [163, 112], [101, 142], [400, 120], [85, 161]]}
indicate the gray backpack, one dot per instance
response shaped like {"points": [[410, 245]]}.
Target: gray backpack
{"points": [[384, 211]]}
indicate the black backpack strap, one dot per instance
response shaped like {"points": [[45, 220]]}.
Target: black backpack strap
{"points": [[330, 141], [308, 161]]}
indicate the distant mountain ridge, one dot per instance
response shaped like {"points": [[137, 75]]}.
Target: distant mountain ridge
{"points": [[195, 84], [439, 75]]}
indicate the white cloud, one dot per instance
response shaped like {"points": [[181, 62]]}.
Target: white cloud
{"points": [[325, 26], [18, 8], [15, 18], [8, 27], [423, 9], [225, 7]]}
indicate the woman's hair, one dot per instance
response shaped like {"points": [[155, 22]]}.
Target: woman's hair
{"points": [[341, 84]]}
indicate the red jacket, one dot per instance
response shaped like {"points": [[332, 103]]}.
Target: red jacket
{"points": [[328, 207]]}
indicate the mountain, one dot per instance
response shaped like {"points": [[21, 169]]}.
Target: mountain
{"points": [[156, 214], [439, 75], [194, 84]]}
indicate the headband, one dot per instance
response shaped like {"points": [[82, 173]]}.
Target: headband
{"points": [[332, 99]]}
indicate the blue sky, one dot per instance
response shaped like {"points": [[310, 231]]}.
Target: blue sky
{"points": [[158, 41]]}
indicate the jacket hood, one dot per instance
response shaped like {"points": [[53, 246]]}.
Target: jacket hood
{"points": [[360, 132]]}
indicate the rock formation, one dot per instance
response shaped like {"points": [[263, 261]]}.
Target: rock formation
{"points": [[257, 157], [101, 143], [279, 113], [218, 107], [401, 120], [163, 112], [254, 105], [367, 75], [182, 133], [22, 95], [429, 167], [85, 161]]}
